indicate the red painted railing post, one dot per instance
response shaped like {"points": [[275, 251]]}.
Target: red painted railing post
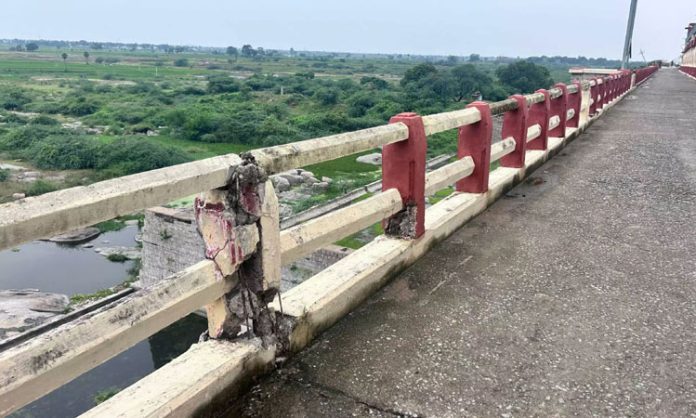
{"points": [[559, 107], [574, 102], [594, 95], [475, 142], [403, 168], [539, 114], [610, 86], [515, 126], [602, 94]]}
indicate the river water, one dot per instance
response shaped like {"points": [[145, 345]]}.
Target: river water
{"points": [[70, 270]]}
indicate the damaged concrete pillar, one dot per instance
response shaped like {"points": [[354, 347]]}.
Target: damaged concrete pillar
{"points": [[248, 199], [403, 168]]}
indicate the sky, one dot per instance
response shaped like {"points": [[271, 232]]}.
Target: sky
{"points": [[592, 28]]}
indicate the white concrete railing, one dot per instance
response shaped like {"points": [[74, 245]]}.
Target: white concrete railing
{"points": [[34, 368]]}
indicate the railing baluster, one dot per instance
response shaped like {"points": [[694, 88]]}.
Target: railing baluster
{"points": [[575, 103], [539, 115], [475, 142], [515, 126], [559, 107], [403, 168]]}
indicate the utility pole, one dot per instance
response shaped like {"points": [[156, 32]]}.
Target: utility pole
{"points": [[629, 35]]}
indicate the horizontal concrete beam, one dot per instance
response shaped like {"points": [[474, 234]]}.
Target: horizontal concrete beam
{"points": [[201, 382], [44, 363]]}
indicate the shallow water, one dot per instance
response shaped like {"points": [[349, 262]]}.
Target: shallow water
{"points": [[67, 269]]}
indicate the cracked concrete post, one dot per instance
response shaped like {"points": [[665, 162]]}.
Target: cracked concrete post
{"points": [[403, 168], [248, 199]]}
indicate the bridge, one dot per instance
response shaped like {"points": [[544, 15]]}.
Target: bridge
{"points": [[568, 292]]}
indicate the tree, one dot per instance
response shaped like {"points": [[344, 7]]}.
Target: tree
{"points": [[474, 58], [233, 52], [452, 60], [86, 55], [248, 51], [418, 73], [99, 60], [524, 76], [466, 80], [64, 55], [31, 47]]}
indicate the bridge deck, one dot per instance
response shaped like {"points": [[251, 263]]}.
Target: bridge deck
{"points": [[574, 294]]}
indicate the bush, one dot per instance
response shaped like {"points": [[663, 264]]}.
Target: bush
{"points": [[27, 136], [44, 120], [326, 97], [181, 62], [117, 258], [40, 187], [134, 155], [222, 84], [64, 153], [80, 106], [13, 99], [4, 175]]}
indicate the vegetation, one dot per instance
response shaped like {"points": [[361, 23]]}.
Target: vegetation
{"points": [[117, 258], [141, 107], [106, 394], [4, 175]]}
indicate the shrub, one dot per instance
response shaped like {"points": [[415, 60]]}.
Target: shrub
{"points": [[14, 99], [80, 106], [326, 97], [64, 153], [40, 187], [117, 258], [26, 136], [4, 175], [181, 62], [134, 155], [222, 84], [44, 120]]}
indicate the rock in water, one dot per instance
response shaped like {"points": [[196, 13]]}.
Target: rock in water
{"points": [[21, 310], [77, 236]]}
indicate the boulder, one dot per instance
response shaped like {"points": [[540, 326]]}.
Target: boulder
{"points": [[373, 159], [320, 187], [293, 179], [76, 236], [25, 309], [282, 184], [130, 253], [17, 196], [309, 180], [327, 179], [307, 174], [285, 211]]}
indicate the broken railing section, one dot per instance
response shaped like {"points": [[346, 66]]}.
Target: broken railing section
{"points": [[403, 169], [248, 199]]}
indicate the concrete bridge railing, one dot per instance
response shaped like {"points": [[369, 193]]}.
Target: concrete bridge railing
{"points": [[250, 322]]}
